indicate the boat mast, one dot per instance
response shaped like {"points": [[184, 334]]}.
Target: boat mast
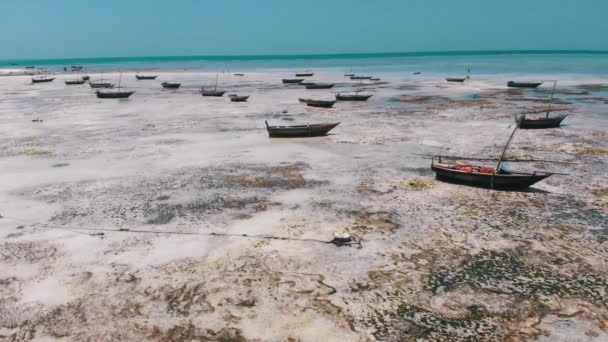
{"points": [[551, 98], [119, 80], [504, 151], [217, 75]]}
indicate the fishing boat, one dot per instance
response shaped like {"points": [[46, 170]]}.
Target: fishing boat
{"points": [[318, 103], [304, 74], [170, 85], [352, 97], [512, 84], [460, 79], [306, 83], [213, 92], [238, 98], [360, 77], [76, 67], [487, 177], [292, 80], [525, 122], [115, 94], [320, 86], [145, 77], [42, 79], [100, 83], [75, 82], [86, 77], [349, 75], [300, 131], [239, 74]]}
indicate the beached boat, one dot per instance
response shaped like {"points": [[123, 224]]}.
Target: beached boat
{"points": [[349, 75], [536, 122], [101, 84], [304, 74], [374, 79], [77, 67], [75, 82], [292, 80], [42, 79], [170, 85], [360, 77], [512, 84], [238, 98], [318, 103], [320, 86], [239, 74], [145, 77], [352, 97], [306, 83], [488, 177], [299, 131], [456, 79], [213, 92], [114, 94], [86, 77]]}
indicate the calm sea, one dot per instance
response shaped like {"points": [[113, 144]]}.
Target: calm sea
{"points": [[582, 63]]}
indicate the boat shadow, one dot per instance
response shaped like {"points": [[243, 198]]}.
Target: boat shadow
{"points": [[524, 190]]}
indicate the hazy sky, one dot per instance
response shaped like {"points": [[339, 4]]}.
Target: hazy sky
{"points": [[96, 28]]}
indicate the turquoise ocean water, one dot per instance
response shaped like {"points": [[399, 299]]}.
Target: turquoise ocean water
{"points": [[583, 63]]}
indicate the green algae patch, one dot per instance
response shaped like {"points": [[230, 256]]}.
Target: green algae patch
{"points": [[416, 184], [31, 152], [600, 193], [468, 210], [501, 272]]}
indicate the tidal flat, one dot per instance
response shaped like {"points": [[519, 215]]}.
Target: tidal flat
{"points": [[170, 216]]}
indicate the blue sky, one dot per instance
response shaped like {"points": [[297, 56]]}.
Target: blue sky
{"points": [[95, 28]]}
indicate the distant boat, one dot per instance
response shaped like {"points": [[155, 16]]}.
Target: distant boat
{"points": [[304, 74], [459, 79], [239, 74], [170, 85], [115, 94], [318, 103], [306, 83], [360, 77], [349, 75], [314, 130], [417, 73], [86, 77], [214, 92], [100, 83], [292, 80], [238, 98], [320, 86], [75, 82], [512, 84], [77, 67], [145, 77], [352, 97], [42, 79]]}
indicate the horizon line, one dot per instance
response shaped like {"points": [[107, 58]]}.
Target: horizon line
{"points": [[325, 55]]}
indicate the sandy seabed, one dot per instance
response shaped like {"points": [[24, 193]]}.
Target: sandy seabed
{"points": [[124, 220]]}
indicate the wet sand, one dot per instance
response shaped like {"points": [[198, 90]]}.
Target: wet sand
{"points": [[125, 219]]}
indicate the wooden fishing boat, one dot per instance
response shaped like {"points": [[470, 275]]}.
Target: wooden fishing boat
{"points": [[304, 74], [239, 74], [170, 85], [86, 77], [374, 79], [535, 122], [213, 92], [299, 131], [320, 86], [42, 79], [292, 80], [486, 177], [456, 79], [101, 84], [114, 94], [349, 75], [352, 97], [512, 84], [145, 77], [238, 98], [75, 82], [318, 103], [360, 77]]}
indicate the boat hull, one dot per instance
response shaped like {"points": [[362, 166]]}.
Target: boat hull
{"points": [[360, 77], [239, 98], [171, 85], [320, 86], [512, 84], [292, 80], [43, 80], [216, 93], [453, 79], [101, 85], [540, 123], [115, 95], [75, 82], [305, 74], [318, 103], [359, 98], [300, 131], [141, 78], [503, 181]]}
